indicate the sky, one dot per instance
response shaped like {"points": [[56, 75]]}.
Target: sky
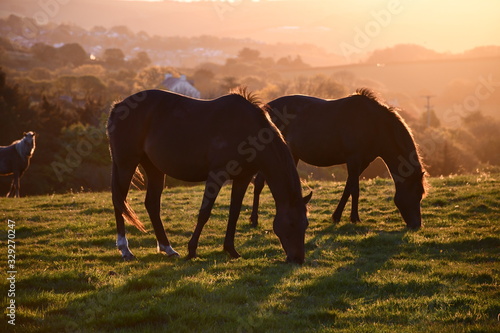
{"points": [[442, 25], [340, 26]]}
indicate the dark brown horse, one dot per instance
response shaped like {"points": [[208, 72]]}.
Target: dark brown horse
{"points": [[15, 160], [353, 130], [229, 138]]}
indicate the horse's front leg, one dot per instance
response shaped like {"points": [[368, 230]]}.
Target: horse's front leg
{"points": [[14, 187], [357, 170], [240, 186], [257, 189], [11, 190], [18, 186], [212, 188]]}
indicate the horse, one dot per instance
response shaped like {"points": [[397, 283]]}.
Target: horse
{"points": [[15, 160], [228, 138], [353, 130]]}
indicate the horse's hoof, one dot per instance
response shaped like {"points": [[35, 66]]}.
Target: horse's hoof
{"points": [[335, 219], [190, 256], [168, 250], [128, 257], [355, 218], [254, 222], [174, 255], [233, 253]]}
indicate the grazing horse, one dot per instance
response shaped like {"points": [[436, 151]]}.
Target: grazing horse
{"points": [[353, 130], [229, 138], [15, 160]]}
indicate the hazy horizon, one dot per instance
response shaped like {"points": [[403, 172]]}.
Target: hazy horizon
{"points": [[350, 29]]}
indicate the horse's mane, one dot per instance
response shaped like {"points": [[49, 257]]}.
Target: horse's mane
{"points": [[394, 114], [392, 110], [248, 95], [282, 154]]}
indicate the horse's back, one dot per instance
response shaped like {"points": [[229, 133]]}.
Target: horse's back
{"points": [[326, 132], [181, 136]]}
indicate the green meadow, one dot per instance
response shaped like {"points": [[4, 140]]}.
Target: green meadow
{"points": [[374, 276]]}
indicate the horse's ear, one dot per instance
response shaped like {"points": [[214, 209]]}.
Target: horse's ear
{"points": [[24, 133], [307, 198]]}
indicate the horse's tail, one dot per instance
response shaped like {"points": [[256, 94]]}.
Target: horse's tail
{"points": [[120, 200]]}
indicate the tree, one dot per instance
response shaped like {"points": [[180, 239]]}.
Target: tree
{"points": [[430, 118], [247, 54], [228, 83], [40, 73], [44, 52], [141, 60], [15, 112], [91, 85], [486, 143], [114, 58], [72, 53], [152, 77]]}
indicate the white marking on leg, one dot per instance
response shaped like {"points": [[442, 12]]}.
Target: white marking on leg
{"points": [[122, 244], [168, 250]]}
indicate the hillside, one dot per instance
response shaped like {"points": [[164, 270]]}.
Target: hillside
{"points": [[453, 83], [374, 276], [416, 53]]}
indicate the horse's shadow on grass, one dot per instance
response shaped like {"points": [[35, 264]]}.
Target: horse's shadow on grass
{"points": [[320, 302], [207, 294], [178, 296]]}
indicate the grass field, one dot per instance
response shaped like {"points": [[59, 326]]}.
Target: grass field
{"points": [[374, 276]]}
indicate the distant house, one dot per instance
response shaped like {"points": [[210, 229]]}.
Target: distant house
{"points": [[180, 85]]}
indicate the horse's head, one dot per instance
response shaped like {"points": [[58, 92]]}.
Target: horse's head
{"points": [[409, 194], [290, 226], [29, 142]]}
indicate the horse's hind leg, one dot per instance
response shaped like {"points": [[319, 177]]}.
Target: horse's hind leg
{"points": [[351, 189], [152, 203], [212, 188], [337, 214], [120, 182], [240, 186], [258, 186]]}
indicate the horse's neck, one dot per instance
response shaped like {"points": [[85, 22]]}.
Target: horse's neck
{"points": [[399, 151], [281, 180], [22, 151], [403, 162]]}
